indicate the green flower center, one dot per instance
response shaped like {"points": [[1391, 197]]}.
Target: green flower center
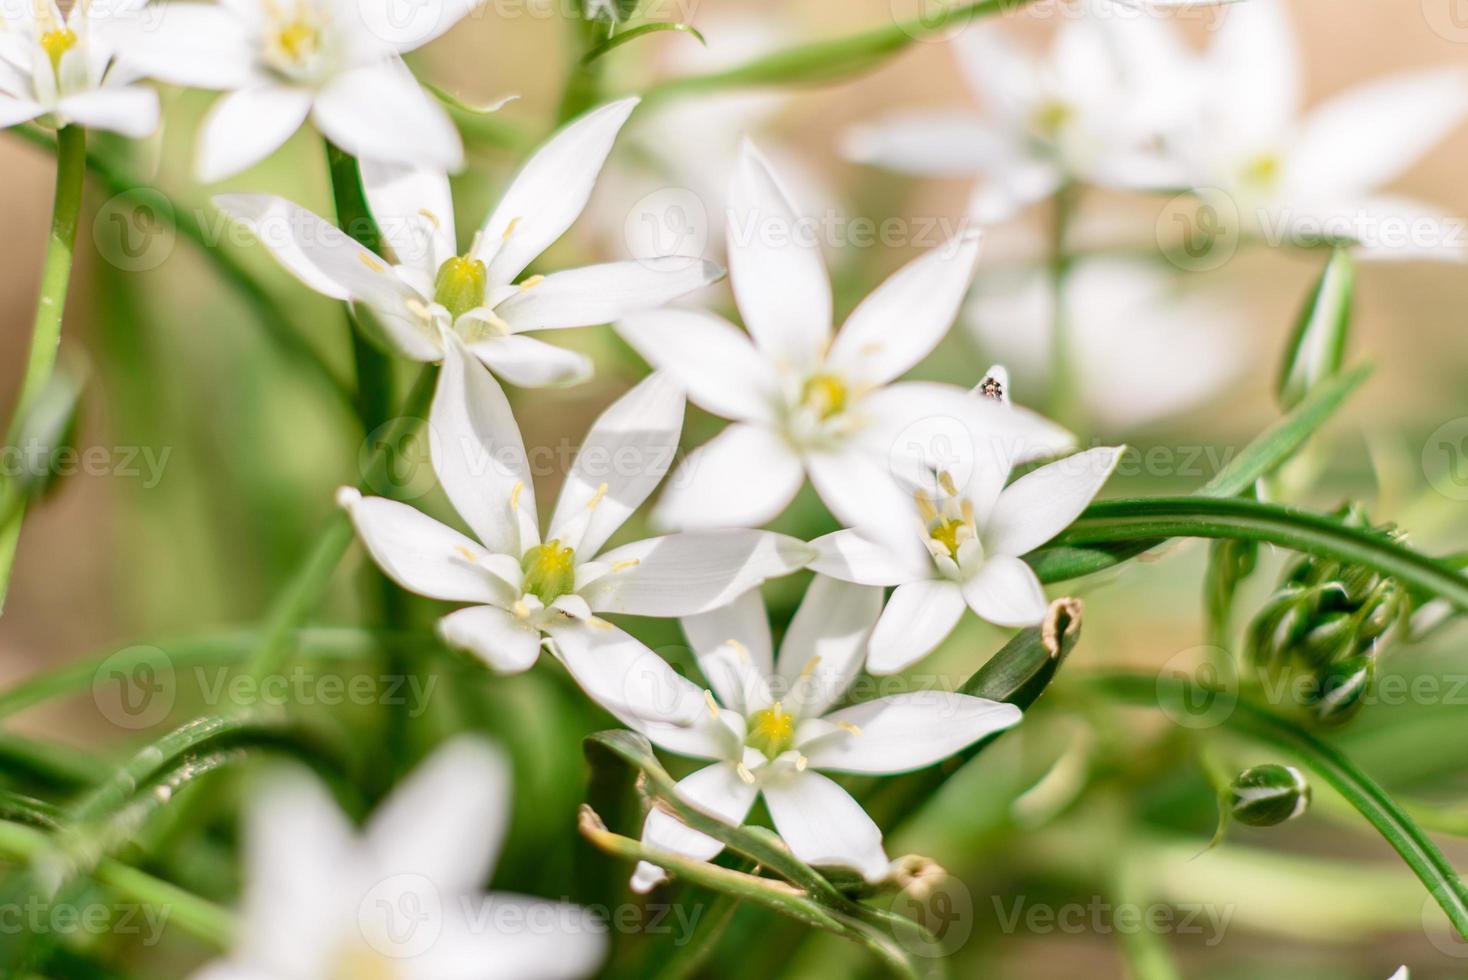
{"points": [[1051, 117], [771, 731], [1262, 170], [824, 394], [56, 43], [550, 571], [945, 532], [460, 285]]}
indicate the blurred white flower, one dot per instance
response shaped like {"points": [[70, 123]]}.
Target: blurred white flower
{"points": [[769, 726], [429, 289], [63, 70], [1142, 347], [337, 61], [1079, 112], [1306, 176], [402, 897], [803, 400], [522, 586], [962, 545]]}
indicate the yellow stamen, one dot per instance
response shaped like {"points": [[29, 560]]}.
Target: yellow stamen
{"points": [[810, 666], [945, 480], [626, 563], [745, 776], [56, 43], [371, 262], [596, 498], [848, 727], [532, 282], [510, 228], [925, 506], [708, 699], [520, 609], [432, 218], [824, 394], [515, 494]]}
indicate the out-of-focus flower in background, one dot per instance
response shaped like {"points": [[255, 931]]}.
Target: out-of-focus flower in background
{"points": [[402, 897]]}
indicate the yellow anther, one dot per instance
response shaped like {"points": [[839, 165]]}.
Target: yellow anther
{"points": [[810, 666], [465, 552], [745, 776], [945, 480], [532, 282], [432, 218], [371, 262], [520, 609], [515, 493], [967, 509], [626, 563], [801, 762], [418, 308], [708, 699], [596, 498], [738, 648], [848, 727], [924, 505], [510, 228]]}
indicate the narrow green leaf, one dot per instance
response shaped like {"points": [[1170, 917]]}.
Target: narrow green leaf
{"points": [[617, 40], [1317, 347]]}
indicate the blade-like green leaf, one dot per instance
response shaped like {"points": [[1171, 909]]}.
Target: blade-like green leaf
{"points": [[1317, 348]]}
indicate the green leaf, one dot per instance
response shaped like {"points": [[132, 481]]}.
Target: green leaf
{"points": [[617, 40], [1317, 348]]}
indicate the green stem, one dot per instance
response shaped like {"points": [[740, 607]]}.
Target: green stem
{"points": [[1369, 799], [1063, 375]]}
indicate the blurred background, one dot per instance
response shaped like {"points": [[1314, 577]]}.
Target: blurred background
{"points": [[219, 451]]}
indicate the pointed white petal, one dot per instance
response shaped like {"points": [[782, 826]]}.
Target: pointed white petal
{"points": [[446, 820], [402, 29], [1370, 134], [478, 453], [1006, 592], [529, 363], [550, 191], [417, 552], [909, 731], [918, 617], [626, 454], [601, 293], [930, 144], [246, 126], [1256, 71], [826, 644], [905, 317], [824, 826], [13, 111], [131, 110], [1044, 502], [501, 936], [1000, 73], [780, 282], [197, 45], [744, 621], [742, 477], [854, 556], [502, 640], [859, 487], [414, 210], [716, 790], [380, 112], [690, 573], [710, 357]]}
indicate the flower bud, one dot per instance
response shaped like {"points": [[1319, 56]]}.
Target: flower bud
{"points": [[1268, 795], [1338, 690]]}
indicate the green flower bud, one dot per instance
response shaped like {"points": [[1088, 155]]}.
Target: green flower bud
{"points": [[1338, 690], [1268, 795]]}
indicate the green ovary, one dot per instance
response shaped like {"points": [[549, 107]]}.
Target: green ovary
{"points": [[550, 571], [771, 731], [460, 285]]}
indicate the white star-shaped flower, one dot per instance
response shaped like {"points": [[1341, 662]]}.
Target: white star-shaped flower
{"points": [[63, 70], [338, 62], [523, 586], [768, 726], [402, 897], [802, 400], [428, 288], [960, 543]]}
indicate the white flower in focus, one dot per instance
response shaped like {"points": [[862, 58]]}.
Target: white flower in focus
{"points": [[802, 400], [523, 586], [429, 289], [402, 897], [1319, 174], [1143, 348], [1075, 113], [337, 61], [63, 70], [962, 545], [768, 726]]}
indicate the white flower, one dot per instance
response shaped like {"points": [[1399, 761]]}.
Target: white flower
{"points": [[768, 726], [523, 586], [337, 61], [63, 70], [401, 898], [1319, 174], [429, 288], [962, 545], [802, 400], [1143, 349], [1074, 113]]}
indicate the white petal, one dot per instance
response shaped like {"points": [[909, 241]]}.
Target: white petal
{"points": [[131, 110], [1370, 134], [414, 210], [710, 357], [1009, 191], [909, 731], [929, 144], [602, 293], [503, 641], [529, 363], [1001, 73], [224, 970], [716, 790], [417, 552], [854, 556], [13, 111], [860, 488], [402, 28], [826, 643], [918, 617], [478, 453], [196, 45], [1044, 502], [690, 573], [550, 191], [1257, 66], [246, 126], [742, 477], [905, 317], [823, 825], [501, 936], [744, 621], [626, 454], [446, 820], [780, 282], [1006, 592], [380, 112]]}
